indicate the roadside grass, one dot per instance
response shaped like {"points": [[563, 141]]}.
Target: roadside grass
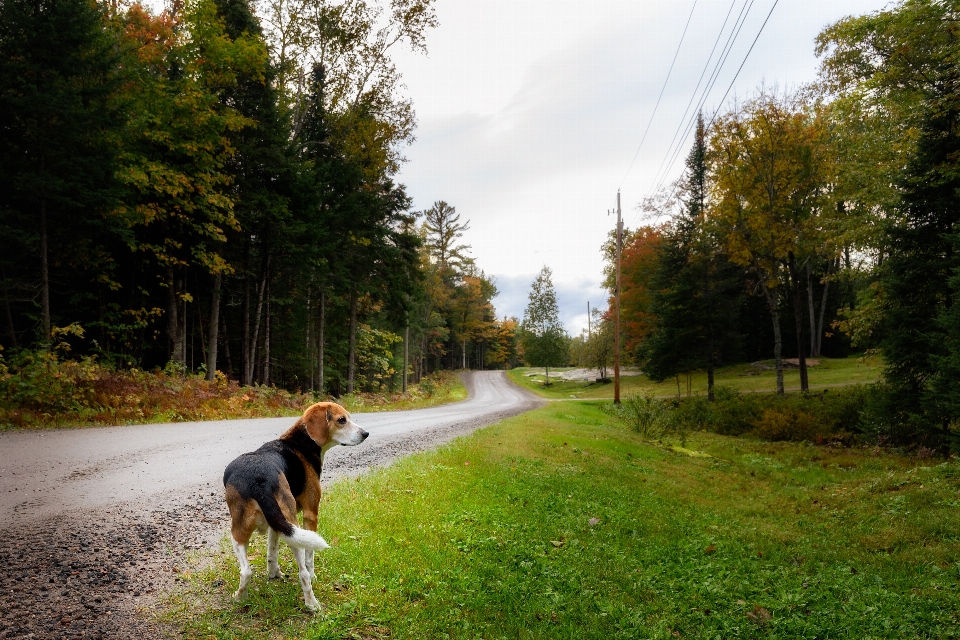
{"points": [[561, 523], [742, 377], [71, 395]]}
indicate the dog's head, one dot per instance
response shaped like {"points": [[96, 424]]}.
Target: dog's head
{"points": [[328, 423]]}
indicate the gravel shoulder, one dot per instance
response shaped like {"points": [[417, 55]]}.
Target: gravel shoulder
{"points": [[101, 571]]}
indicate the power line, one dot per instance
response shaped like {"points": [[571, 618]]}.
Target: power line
{"points": [[737, 74], [662, 89], [672, 152], [720, 62]]}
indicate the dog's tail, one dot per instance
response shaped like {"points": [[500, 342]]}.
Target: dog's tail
{"points": [[291, 534]]}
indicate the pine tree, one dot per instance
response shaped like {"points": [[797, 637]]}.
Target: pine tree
{"points": [[544, 339], [59, 112], [695, 295], [921, 277]]}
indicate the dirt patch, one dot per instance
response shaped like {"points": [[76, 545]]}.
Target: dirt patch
{"points": [[583, 375]]}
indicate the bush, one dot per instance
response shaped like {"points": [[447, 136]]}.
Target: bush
{"points": [[645, 415], [786, 424], [829, 414]]}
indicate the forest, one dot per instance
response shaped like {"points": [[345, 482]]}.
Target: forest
{"points": [[208, 188], [816, 221]]}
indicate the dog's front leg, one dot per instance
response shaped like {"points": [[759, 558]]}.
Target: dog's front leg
{"points": [[310, 522], [306, 583], [273, 552]]}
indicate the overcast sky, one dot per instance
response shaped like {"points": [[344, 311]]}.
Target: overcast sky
{"points": [[530, 112]]}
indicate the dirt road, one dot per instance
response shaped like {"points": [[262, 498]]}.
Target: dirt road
{"points": [[95, 522]]}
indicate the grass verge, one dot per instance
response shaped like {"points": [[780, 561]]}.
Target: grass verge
{"points": [[742, 377], [442, 387], [562, 524]]}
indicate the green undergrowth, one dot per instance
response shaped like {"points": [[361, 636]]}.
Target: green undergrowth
{"points": [[42, 390], [561, 523], [438, 388], [755, 377]]}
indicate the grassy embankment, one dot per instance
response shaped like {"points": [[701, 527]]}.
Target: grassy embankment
{"points": [[561, 523], [742, 377], [85, 394]]}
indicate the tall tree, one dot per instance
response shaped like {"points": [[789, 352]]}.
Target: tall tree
{"points": [[544, 338], [772, 171], [61, 117], [695, 290]]}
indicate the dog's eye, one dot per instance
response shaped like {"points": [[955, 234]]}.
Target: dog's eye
{"points": [[342, 420]]}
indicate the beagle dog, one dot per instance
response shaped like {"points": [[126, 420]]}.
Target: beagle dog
{"points": [[265, 489]]}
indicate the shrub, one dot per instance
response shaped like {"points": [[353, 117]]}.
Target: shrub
{"points": [[645, 415], [828, 414], [786, 423]]}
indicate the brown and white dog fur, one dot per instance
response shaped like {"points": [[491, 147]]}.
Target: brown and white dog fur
{"points": [[265, 489]]}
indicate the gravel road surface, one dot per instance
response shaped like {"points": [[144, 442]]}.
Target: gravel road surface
{"points": [[96, 522]]}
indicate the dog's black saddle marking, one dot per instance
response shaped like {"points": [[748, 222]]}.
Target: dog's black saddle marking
{"points": [[257, 474]]}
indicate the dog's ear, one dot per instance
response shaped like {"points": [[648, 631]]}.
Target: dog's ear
{"points": [[329, 414], [315, 420]]}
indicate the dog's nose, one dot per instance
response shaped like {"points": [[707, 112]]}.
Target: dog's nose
{"points": [[363, 435]]}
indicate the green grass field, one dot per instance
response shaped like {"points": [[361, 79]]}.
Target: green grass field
{"points": [[562, 524], [743, 377]]}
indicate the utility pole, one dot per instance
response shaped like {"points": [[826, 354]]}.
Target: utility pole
{"points": [[616, 310], [589, 328]]}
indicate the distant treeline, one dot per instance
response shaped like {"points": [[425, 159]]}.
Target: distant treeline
{"points": [[206, 188]]}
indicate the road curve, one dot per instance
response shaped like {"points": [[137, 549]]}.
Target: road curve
{"points": [[51, 473]]}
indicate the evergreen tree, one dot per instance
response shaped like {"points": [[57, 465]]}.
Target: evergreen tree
{"points": [[694, 288], [921, 277], [59, 124], [544, 339]]}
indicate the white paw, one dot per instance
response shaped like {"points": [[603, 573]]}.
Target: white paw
{"points": [[277, 575], [313, 607], [239, 595]]}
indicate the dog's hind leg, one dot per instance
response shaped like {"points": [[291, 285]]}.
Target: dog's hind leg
{"points": [[245, 571], [306, 583], [311, 503], [273, 551]]}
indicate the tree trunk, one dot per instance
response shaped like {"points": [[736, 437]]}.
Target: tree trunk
{"points": [[174, 324], [406, 353], [320, 338], [44, 277], [250, 355], [813, 316], [226, 341], [11, 330], [547, 383], [798, 317], [352, 348], [777, 349], [307, 346], [266, 340], [214, 327], [708, 290], [823, 303], [245, 332]]}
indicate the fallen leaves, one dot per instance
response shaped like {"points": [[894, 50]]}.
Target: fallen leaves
{"points": [[760, 615]]}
